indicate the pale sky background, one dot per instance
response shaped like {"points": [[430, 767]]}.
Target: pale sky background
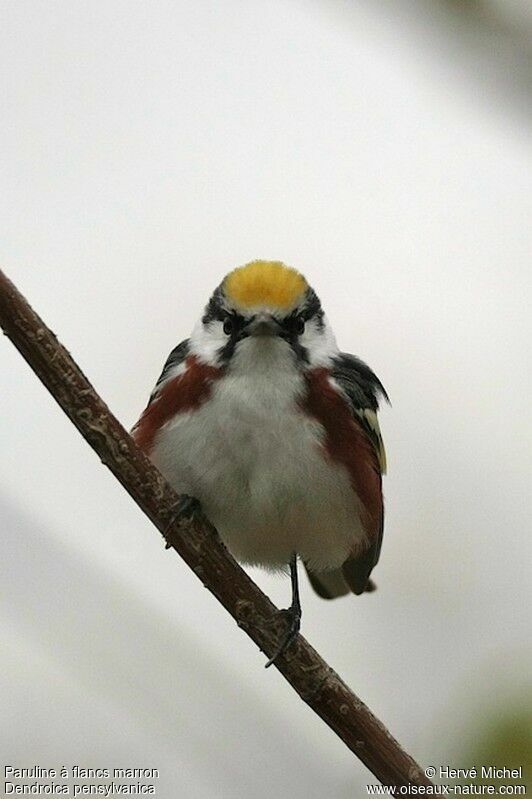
{"points": [[384, 150]]}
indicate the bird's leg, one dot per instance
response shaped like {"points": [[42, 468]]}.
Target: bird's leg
{"points": [[186, 508], [293, 613]]}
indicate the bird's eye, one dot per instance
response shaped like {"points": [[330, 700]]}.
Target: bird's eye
{"points": [[299, 325], [228, 325]]}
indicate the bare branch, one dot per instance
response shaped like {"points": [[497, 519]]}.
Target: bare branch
{"points": [[198, 544]]}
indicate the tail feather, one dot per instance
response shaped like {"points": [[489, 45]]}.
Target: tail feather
{"points": [[335, 583], [357, 570]]}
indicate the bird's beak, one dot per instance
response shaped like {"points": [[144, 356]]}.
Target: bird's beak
{"points": [[263, 325]]}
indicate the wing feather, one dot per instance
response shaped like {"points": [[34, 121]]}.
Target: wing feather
{"points": [[363, 390], [177, 357]]}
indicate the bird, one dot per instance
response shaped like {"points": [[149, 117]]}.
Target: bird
{"points": [[262, 422]]}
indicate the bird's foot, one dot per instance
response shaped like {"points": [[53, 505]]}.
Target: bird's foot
{"points": [[293, 615], [186, 508]]}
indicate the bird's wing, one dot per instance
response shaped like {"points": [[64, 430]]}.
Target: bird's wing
{"points": [[176, 358], [172, 366], [362, 389]]}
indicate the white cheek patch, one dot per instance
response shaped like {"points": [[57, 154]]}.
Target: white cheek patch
{"points": [[320, 342], [207, 340]]}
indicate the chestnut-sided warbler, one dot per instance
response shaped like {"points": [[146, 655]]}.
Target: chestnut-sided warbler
{"points": [[262, 420]]}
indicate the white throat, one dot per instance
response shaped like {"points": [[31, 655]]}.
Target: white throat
{"points": [[263, 356]]}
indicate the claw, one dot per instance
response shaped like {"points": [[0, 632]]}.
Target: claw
{"points": [[186, 508], [294, 617]]}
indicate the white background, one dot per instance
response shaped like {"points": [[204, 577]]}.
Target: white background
{"points": [[382, 149]]}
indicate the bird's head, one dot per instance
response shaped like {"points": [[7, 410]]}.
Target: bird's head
{"points": [[260, 309]]}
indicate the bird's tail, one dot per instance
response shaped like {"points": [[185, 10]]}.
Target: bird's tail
{"points": [[338, 582]]}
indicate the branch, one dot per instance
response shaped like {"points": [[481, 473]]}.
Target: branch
{"points": [[198, 544]]}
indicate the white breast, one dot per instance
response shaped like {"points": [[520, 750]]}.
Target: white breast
{"points": [[254, 461]]}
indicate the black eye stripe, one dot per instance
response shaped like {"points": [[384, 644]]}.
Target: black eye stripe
{"points": [[294, 324], [233, 323]]}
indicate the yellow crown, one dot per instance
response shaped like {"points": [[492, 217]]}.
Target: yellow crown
{"points": [[264, 283]]}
